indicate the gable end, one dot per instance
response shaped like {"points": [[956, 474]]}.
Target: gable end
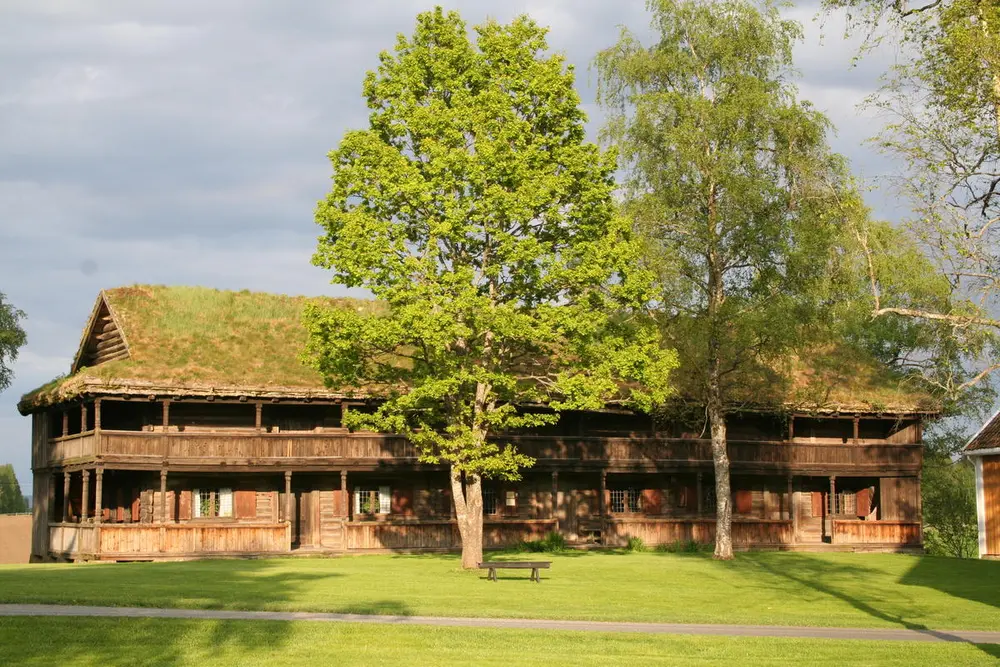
{"points": [[103, 339]]}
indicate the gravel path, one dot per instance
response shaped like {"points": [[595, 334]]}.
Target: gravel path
{"points": [[873, 634]]}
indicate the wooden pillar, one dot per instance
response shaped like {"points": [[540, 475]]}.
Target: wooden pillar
{"points": [[258, 410], [602, 506], [555, 494], [163, 496], [857, 429], [791, 427], [166, 414], [920, 505], [98, 495], [288, 496], [97, 414], [791, 510], [65, 424], [83, 418], [833, 503], [698, 491], [344, 497], [65, 514], [84, 495]]}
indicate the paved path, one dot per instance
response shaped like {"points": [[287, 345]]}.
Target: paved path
{"points": [[884, 634]]}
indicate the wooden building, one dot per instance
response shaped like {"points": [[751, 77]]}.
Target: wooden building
{"points": [[188, 427], [984, 451]]}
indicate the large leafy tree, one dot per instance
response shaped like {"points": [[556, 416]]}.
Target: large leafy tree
{"points": [[12, 338], [474, 210], [730, 181], [943, 106]]}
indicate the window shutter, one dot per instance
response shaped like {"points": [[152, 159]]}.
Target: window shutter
{"points": [[863, 499], [384, 499], [225, 502], [184, 506], [245, 504], [817, 503], [357, 501], [652, 501], [196, 494], [744, 502]]}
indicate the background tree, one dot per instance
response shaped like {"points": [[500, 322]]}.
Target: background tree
{"points": [[475, 211], [12, 501], [948, 488], [943, 103], [12, 338], [731, 184]]}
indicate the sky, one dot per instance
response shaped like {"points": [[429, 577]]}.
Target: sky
{"points": [[184, 142]]}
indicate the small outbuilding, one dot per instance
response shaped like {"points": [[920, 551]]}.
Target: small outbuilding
{"points": [[984, 451]]}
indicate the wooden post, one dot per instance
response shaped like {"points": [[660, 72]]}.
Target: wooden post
{"points": [[166, 414], [833, 503], [84, 495], [791, 510], [258, 410], [344, 497], [288, 496], [97, 414], [65, 424], [98, 495], [857, 429], [700, 478], [791, 427], [555, 494], [65, 514], [83, 418], [602, 506], [920, 505], [163, 496]]}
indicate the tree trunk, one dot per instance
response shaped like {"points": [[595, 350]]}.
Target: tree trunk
{"points": [[720, 457], [467, 492]]}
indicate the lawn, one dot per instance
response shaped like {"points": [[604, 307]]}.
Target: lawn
{"points": [[837, 589], [76, 641]]}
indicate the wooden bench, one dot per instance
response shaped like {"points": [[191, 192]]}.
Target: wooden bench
{"points": [[534, 566]]}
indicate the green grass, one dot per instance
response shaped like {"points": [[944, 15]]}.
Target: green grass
{"points": [[77, 641], [862, 590]]}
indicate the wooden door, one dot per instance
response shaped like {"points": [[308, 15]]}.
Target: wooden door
{"points": [[306, 519], [991, 494]]}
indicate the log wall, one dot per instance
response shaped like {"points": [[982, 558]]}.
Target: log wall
{"points": [[876, 532], [671, 531], [367, 536], [192, 539], [991, 496]]}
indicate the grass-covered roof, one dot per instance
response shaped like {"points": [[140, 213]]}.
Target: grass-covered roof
{"points": [[201, 341]]}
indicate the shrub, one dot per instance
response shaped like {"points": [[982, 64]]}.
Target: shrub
{"points": [[636, 544], [553, 542], [688, 546]]}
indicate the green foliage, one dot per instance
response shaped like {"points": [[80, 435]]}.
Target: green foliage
{"points": [[12, 501], [553, 542], [948, 488], [942, 103], [635, 545], [474, 209], [12, 338], [682, 547], [731, 183]]}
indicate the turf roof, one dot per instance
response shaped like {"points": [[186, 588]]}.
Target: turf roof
{"points": [[202, 341]]}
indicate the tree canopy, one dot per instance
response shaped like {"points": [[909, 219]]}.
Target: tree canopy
{"points": [[474, 209], [732, 186], [12, 338]]}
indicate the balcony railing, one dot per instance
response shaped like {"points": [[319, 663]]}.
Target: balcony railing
{"points": [[242, 448]]}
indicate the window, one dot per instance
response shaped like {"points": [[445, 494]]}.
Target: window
{"points": [[212, 503], [372, 500], [489, 501], [843, 503], [625, 500]]}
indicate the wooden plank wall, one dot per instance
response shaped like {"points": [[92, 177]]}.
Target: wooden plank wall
{"points": [[875, 532], [991, 494], [702, 531], [900, 499], [40, 515]]}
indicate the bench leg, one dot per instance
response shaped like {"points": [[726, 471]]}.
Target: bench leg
{"points": [[534, 575], [492, 574]]}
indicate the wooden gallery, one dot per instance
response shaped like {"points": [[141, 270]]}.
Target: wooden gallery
{"points": [[189, 427]]}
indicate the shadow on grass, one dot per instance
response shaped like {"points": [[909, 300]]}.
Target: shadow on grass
{"points": [[815, 574], [974, 580]]}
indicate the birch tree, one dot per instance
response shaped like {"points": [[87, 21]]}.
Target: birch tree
{"points": [[729, 181], [474, 209], [12, 338]]}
